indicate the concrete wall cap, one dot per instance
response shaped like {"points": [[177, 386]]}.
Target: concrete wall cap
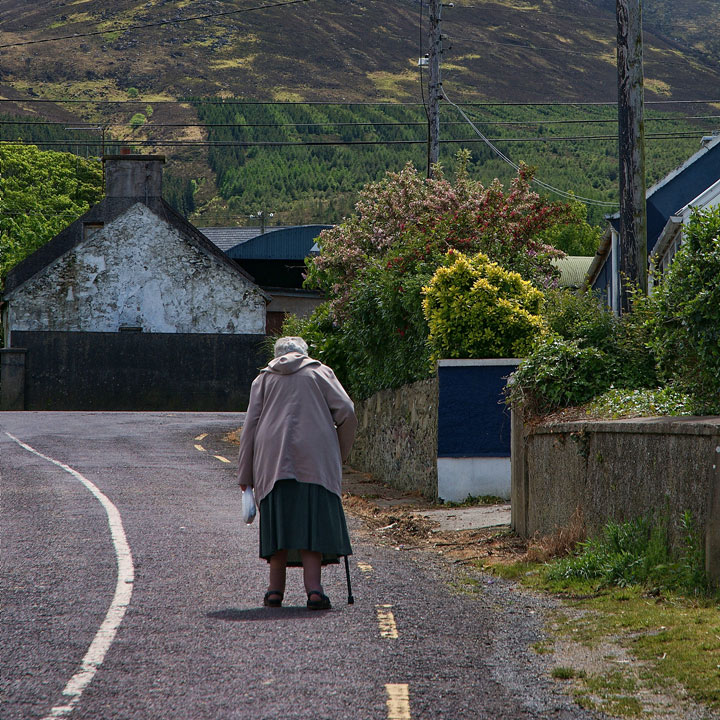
{"points": [[476, 362], [668, 425]]}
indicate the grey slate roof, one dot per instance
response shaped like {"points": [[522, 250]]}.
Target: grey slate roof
{"points": [[227, 237]]}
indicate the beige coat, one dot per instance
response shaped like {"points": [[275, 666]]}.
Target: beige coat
{"points": [[300, 424]]}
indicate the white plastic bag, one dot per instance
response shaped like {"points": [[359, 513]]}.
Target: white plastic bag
{"points": [[248, 505]]}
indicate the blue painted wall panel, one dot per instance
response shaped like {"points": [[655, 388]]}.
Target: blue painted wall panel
{"points": [[473, 420]]}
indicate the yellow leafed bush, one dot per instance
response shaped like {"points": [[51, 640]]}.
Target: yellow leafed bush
{"points": [[476, 309]]}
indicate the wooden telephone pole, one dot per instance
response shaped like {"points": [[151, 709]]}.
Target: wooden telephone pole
{"points": [[434, 85], [631, 143]]}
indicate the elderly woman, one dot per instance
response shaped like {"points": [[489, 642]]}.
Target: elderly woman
{"points": [[300, 426]]}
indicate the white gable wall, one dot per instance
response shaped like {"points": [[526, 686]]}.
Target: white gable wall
{"points": [[138, 271]]}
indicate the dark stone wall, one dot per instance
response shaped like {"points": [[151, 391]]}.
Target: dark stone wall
{"points": [[139, 371]]}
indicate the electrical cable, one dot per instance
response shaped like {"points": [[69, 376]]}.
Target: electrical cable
{"points": [[506, 159], [316, 143], [398, 124], [212, 101], [159, 23]]}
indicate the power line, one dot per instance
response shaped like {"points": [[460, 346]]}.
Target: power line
{"points": [[399, 123], [159, 23], [290, 103], [611, 48], [506, 159], [314, 143]]}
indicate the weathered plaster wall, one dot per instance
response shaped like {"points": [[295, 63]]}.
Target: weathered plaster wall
{"points": [[614, 471], [138, 270], [397, 437]]}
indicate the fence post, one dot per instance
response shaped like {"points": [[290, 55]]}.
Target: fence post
{"points": [[12, 378], [518, 473]]}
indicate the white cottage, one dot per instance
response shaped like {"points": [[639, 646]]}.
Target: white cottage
{"points": [[125, 298]]}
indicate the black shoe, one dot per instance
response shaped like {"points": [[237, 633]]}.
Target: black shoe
{"points": [[322, 604], [273, 598]]}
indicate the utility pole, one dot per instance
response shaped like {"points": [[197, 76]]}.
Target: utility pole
{"points": [[435, 85], [631, 145]]}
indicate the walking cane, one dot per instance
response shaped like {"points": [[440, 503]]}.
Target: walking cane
{"points": [[351, 599]]}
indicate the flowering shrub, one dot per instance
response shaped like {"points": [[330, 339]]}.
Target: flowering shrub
{"points": [[475, 308], [405, 221], [636, 403], [373, 267]]}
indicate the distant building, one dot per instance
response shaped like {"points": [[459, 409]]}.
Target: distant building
{"points": [[275, 259], [133, 307], [668, 203], [573, 270]]}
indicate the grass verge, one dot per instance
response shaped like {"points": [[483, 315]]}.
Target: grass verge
{"points": [[639, 634]]}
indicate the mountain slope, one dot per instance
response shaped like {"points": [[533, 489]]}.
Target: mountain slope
{"points": [[344, 51]]}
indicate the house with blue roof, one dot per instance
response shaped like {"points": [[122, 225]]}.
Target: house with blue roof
{"points": [[695, 184], [275, 258]]}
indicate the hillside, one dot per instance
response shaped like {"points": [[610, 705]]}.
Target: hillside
{"points": [[342, 51]]}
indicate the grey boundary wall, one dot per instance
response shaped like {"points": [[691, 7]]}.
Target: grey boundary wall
{"points": [[616, 471], [397, 437], [130, 371]]}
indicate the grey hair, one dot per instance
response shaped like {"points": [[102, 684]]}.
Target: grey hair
{"points": [[290, 344]]}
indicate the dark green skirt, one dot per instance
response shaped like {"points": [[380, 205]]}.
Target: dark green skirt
{"points": [[298, 516]]}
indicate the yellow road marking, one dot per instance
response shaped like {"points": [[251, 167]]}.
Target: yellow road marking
{"points": [[201, 437], [364, 567], [386, 620], [221, 458], [200, 448], [398, 702]]}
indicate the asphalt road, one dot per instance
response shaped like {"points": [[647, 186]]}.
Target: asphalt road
{"points": [[131, 589]]}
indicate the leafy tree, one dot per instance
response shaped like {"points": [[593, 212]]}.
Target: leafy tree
{"points": [[685, 314], [574, 238], [40, 194]]}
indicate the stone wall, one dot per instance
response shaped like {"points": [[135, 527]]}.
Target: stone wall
{"points": [[397, 437], [616, 471]]}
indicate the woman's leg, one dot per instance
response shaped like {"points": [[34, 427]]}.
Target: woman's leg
{"points": [[312, 569], [278, 566]]}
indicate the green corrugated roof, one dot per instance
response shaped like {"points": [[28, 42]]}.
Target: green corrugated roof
{"points": [[289, 243], [573, 270]]}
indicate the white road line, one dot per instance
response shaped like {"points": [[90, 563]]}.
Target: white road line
{"points": [[386, 621], [398, 702], [104, 637]]}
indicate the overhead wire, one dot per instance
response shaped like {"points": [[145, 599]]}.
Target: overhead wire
{"points": [[400, 123], [506, 159], [312, 143], [334, 103]]}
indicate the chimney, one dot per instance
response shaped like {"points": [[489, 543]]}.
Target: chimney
{"points": [[133, 176]]}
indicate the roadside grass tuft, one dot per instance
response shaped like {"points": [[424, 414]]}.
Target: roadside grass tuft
{"points": [[631, 588], [566, 673]]}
